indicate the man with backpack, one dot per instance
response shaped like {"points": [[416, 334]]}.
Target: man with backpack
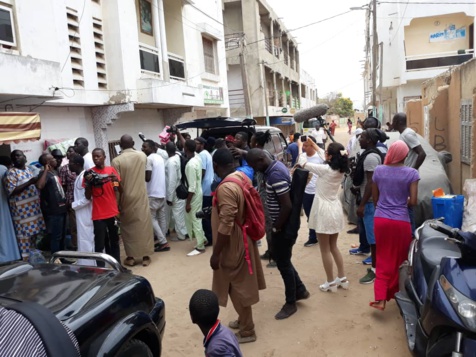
{"points": [[366, 164], [237, 222]]}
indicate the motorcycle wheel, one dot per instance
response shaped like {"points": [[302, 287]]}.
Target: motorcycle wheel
{"points": [[441, 344]]}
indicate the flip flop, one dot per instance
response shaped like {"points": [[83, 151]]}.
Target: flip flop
{"points": [[375, 305]]}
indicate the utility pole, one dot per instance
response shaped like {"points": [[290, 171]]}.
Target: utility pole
{"points": [[265, 87], [244, 78], [374, 56]]}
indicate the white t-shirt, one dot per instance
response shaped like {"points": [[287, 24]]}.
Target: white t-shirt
{"points": [[88, 161], [156, 185], [319, 135], [410, 138]]}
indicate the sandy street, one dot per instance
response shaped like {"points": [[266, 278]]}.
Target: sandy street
{"points": [[327, 324]]}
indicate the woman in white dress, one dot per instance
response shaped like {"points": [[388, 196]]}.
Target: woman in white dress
{"points": [[327, 217]]}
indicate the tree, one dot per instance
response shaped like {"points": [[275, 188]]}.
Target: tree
{"points": [[343, 107]]}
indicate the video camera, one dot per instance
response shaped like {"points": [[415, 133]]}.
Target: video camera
{"points": [[98, 180], [172, 130], [322, 122], [205, 213]]}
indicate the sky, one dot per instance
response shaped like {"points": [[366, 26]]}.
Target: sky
{"points": [[330, 51]]}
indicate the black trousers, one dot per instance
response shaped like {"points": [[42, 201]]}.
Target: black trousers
{"points": [[106, 237], [282, 253]]}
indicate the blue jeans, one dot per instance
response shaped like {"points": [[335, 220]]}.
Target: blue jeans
{"points": [[307, 205], [56, 229], [369, 222], [364, 245]]}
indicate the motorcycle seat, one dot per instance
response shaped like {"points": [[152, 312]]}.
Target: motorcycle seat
{"points": [[433, 249]]}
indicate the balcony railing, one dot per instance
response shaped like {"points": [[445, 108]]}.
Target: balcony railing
{"points": [[435, 60], [176, 66], [267, 45]]}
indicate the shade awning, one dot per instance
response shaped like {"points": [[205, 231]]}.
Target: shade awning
{"points": [[16, 127]]}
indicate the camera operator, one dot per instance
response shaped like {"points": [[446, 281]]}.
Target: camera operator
{"points": [[104, 205], [320, 136]]}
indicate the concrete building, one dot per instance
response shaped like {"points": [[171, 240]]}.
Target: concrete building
{"points": [[264, 73], [415, 42], [103, 68]]}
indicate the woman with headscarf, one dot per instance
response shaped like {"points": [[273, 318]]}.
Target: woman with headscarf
{"points": [[395, 187]]}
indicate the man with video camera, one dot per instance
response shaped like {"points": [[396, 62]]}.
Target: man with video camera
{"points": [[100, 183]]}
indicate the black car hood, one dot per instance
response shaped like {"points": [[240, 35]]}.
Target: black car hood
{"points": [[64, 289]]}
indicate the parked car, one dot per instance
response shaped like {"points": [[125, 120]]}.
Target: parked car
{"points": [[111, 311], [220, 127]]}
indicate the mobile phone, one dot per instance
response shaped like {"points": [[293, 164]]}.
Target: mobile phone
{"points": [[303, 138]]}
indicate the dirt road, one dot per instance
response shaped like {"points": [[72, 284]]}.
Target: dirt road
{"points": [[327, 324]]}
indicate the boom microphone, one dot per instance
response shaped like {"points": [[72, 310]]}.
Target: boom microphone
{"points": [[309, 113]]}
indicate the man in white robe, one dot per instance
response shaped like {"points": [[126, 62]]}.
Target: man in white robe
{"points": [[83, 209]]}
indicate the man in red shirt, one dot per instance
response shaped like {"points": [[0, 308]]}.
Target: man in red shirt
{"points": [[101, 189]]}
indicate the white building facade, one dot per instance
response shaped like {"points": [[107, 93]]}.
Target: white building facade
{"points": [[415, 42], [103, 68]]}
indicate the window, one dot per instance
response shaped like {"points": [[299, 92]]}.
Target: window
{"points": [[100, 55], [7, 32], [209, 55], [75, 48], [149, 60]]}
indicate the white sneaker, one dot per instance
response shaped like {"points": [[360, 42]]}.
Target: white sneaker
{"points": [[195, 252]]}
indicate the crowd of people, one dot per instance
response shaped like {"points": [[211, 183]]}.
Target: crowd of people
{"points": [[172, 185]]}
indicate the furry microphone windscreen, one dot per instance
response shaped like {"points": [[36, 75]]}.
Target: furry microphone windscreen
{"points": [[309, 113]]}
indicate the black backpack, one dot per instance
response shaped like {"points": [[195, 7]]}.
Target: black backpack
{"points": [[359, 173]]}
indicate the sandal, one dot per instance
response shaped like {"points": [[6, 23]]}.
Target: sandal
{"points": [[342, 283], [130, 262], [332, 286], [245, 339], [235, 325], [376, 305], [146, 261]]}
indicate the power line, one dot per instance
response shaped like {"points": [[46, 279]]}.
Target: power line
{"points": [[301, 27]]}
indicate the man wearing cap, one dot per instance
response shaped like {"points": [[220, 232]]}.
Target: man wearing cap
{"points": [[207, 179]]}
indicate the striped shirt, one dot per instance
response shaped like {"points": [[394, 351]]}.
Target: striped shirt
{"points": [[278, 182], [18, 337]]}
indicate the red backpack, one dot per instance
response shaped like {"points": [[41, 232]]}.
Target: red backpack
{"points": [[254, 224]]}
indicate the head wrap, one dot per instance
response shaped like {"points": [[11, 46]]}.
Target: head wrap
{"points": [[358, 131], [397, 152]]}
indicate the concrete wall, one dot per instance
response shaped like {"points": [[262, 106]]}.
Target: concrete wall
{"points": [[414, 112], [147, 121], [442, 97], [59, 123]]}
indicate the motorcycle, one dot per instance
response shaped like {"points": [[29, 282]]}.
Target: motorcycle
{"points": [[437, 297]]}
